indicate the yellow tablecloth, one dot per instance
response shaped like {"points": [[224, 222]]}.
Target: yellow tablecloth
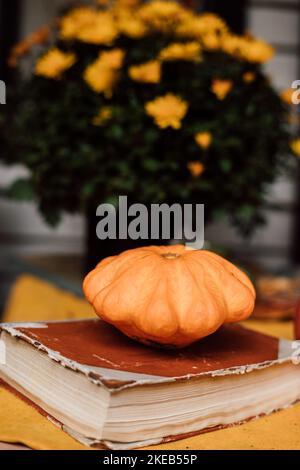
{"points": [[32, 300]]}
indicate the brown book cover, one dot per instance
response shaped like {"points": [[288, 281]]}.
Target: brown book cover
{"points": [[99, 346], [110, 359]]}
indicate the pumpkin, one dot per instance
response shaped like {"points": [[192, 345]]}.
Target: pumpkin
{"points": [[169, 296]]}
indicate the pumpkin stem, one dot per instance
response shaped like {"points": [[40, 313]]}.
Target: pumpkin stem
{"points": [[171, 255]]}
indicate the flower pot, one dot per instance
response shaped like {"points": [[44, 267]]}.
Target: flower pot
{"points": [[97, 250]]}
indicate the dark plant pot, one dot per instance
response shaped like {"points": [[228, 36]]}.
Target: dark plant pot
{"points": [[97, 250]]}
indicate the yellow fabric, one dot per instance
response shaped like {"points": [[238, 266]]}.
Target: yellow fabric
{"points": [[21, 423], [32, 299], [35, 300], [273, 328]]}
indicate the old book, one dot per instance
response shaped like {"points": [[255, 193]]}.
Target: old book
{"points": [[106, 390]]}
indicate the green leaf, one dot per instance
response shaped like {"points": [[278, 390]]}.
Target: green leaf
{"points": [[226, 165], [88, 189], [246, 212], [116, 132], [113, 200], [218, 214], [151, 135], [52, 218], [22, 190], [151, 165]]}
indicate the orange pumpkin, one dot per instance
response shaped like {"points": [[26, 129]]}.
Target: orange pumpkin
{"points": [[169, 296]]}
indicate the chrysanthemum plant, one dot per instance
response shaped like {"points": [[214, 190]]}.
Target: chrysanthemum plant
{"points": [[147, 100]]}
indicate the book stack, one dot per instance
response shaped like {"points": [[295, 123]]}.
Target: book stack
{"points": [[110, 392]]}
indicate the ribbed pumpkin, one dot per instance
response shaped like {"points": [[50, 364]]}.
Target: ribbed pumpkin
{"points": [[169, 296]]}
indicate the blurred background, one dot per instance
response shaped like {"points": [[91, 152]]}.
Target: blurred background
{"points": [[57, 254]]}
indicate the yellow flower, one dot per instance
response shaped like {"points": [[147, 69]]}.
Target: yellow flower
{"points": [[89, 25], [295, 146], [73, 22], [257, 51], [24, 47], [127, 3], [131, 25], [221, 88], [233, 45], [102, 30], [211, 41], [103, 3], [103, 74], [196, 169], [113, 58], [150, 72], [101, 79], [181, 51], [163, 15], [54, 63], [204, 139], [287, 95], [249, 77], [248, 48], [104, 115], [39, 36], [199, 26], [167, 111]]}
